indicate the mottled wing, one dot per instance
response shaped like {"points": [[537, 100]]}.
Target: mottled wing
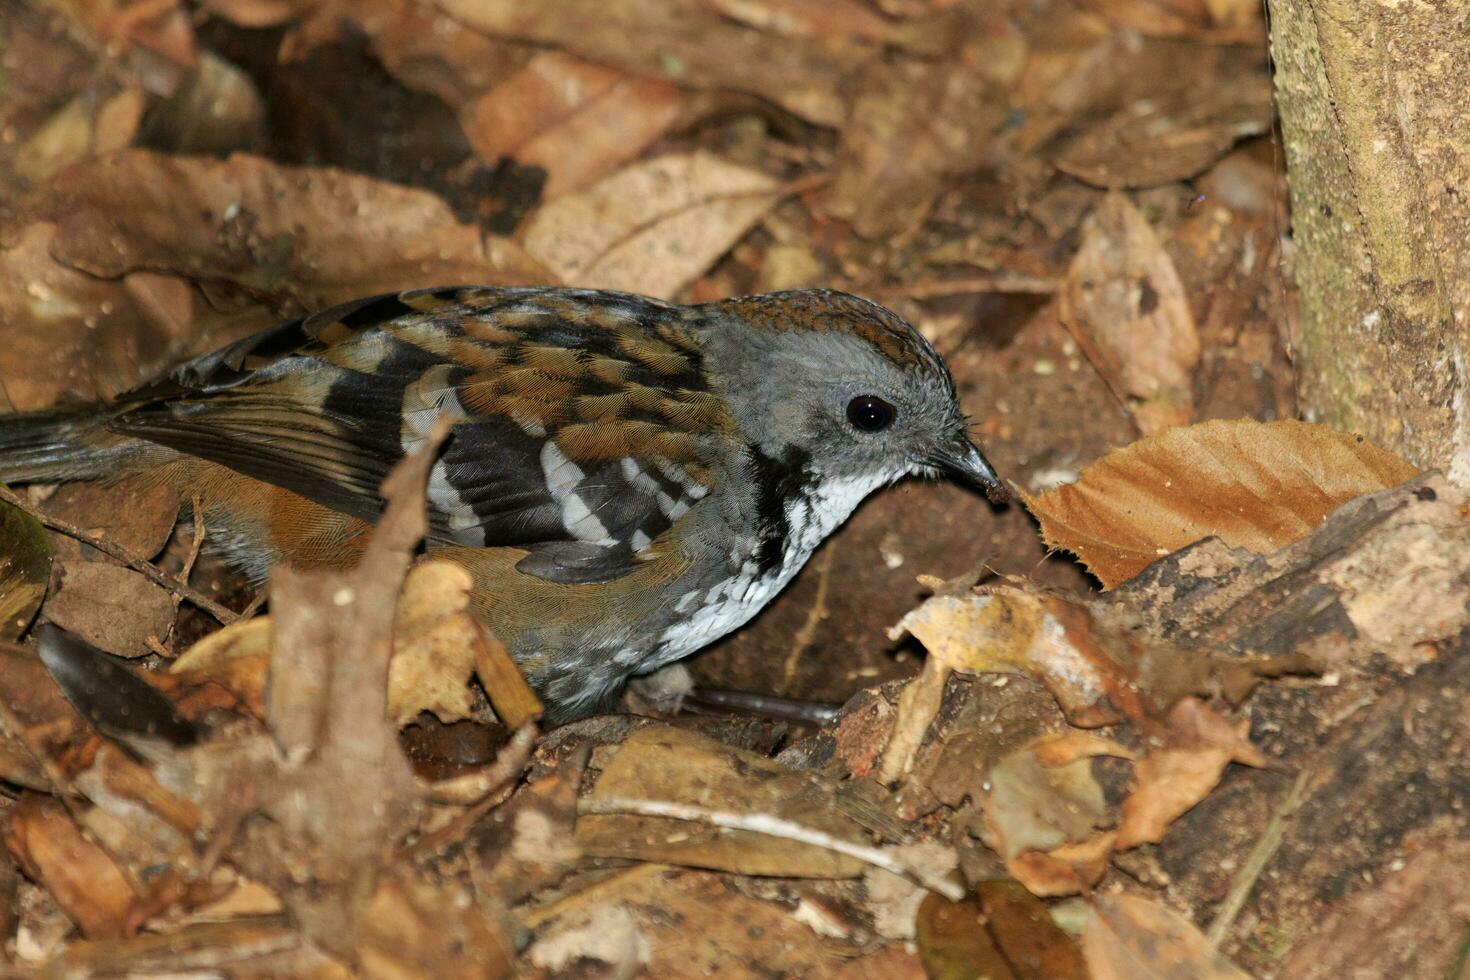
{"points": [[583, 416]]}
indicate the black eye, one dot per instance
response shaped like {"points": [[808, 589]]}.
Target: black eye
{"points": [[869, 413]]}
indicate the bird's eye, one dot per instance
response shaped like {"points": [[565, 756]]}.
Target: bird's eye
{"points": [[869, 413]]}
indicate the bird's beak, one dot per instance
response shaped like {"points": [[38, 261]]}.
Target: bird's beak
{"points": [[963, 461]]}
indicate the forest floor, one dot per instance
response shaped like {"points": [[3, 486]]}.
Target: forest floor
{"points": [[1190, 707]]}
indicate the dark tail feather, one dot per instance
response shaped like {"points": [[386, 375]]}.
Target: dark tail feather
{"points": [[54, 445]]}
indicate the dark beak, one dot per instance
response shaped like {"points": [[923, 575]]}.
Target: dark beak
{"points": [[963, 461]]}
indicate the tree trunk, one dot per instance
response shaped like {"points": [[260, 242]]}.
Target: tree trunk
{"points": [[1377, 132]]}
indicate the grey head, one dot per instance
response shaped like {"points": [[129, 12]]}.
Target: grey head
{"points": [[850, 386]]}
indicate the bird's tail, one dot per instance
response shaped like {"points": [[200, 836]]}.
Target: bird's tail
{"points": [[55, 445]]}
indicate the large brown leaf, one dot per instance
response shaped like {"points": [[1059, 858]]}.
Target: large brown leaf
{"points": [[1255, 485], [652, 227]]}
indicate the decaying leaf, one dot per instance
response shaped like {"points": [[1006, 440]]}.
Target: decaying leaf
{"points": [[1128, 937], [684, 43], [1255, 485], [1126, 307], [82, 877], [570, 118], [1033, 807], [1172, 779], [113, 608], [1179, 124], [315, 236], [134, 513], [25, 568], [1002, 931], [438, 644], [652, 227], [624, 920], [422, 928], [954, 943], [670, 764]]}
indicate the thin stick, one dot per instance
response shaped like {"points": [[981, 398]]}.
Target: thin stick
{"points": [[1256, 861], [764, 823], [112, 550]]}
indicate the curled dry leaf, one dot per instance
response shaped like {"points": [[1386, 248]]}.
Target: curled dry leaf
{"points": [[25, 568], [66, 331], [1170, 780], [1254, 485], [654, 226], [1127, 937], [1126, 307], [570, 118], [314, 236]]}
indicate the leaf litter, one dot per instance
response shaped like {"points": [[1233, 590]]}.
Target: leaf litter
{"points": [[963, 165]]}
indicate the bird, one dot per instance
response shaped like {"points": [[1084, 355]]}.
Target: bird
{"points": [[627, 480]]}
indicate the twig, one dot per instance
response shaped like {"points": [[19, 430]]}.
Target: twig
{"points": [[112, 550], [255, 604], [196, 544], [764, 823], [995, 282], [486, 790], [1256, 861], [814, 616]]}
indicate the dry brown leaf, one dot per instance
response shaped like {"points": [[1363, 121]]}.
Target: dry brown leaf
{"points": [[669, 764], [1065, 870], [572, 119], [683, 44], [113, 608], [625, 920], [913, 124], [438, 643], [955, 944], [1012, 630], [892, 963], [422, 929], [314, 236], [258, 13], [1126, 307], [1254, 485], [79, 875], [528, 843], [1033, 807], [135, 513], [652, 227], [1170, 780], [1127, 937], [1001, 931], [87, 126], [68, 332], [1152, 142]]}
